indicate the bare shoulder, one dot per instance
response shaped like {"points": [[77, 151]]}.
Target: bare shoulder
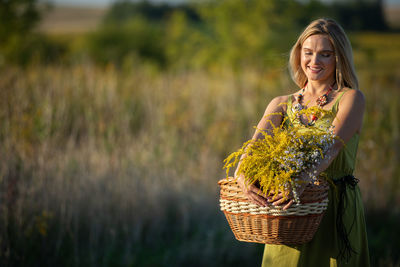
{"points": [[350, 114], [278, 103], [273, 114], [281, 99], [353, 97]]}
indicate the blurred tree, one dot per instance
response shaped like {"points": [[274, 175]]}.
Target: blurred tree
{"points": [[18, 18], [237, 33], [135, 31], [19, 44], [223, 32], [125, 10], [360, 15], [134, 39], [258, 32]]}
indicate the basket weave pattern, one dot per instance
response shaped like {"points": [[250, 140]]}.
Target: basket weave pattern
{"points": [[272, 224]]}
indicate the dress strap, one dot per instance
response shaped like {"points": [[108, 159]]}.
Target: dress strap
{"points": [[289, 102], [336, 104], [289, 105]]}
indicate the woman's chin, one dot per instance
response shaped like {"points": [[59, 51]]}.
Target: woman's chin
{"points": [[317, 78]]}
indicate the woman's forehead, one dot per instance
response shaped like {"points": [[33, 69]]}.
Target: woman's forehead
{"points": [[318, 42]]}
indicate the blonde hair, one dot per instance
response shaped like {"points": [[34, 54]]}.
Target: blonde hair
{"points": [[345, 71]]}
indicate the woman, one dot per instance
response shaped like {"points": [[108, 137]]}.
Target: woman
{"points": [[322, 66]]}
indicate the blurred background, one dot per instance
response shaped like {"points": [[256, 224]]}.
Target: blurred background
{"points": [[115, 117]]}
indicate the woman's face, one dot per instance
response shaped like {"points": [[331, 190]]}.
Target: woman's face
{"points": [[318, 58]]}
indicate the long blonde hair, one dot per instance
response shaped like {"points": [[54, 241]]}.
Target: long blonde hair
{"points": [[345, 71]]}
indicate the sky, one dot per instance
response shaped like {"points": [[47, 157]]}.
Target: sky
{"points": [[108, 2]]}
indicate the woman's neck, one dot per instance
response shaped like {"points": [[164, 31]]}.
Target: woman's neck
{"points": [[318, 88]]}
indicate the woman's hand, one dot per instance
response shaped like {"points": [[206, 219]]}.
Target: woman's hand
{"points": [[289, 200], [252, 192]]}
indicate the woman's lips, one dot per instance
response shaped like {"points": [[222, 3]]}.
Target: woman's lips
{"points": [[315, 69]]}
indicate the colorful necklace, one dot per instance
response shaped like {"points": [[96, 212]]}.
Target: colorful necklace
{"points": [[321, 101]]}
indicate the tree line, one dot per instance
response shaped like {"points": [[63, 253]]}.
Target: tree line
{"points": [[193, 34]]}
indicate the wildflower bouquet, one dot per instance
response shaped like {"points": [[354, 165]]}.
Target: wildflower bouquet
{"points": [[277, 161]]}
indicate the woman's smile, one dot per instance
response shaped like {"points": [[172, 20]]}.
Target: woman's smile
{"points": [[315, 69]]}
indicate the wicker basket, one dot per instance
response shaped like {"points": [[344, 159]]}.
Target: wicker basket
{"points": [[273, 225]]}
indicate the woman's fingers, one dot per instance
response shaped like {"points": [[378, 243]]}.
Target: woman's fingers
{"points": [[276, 198], [256, 195], [255, 201], [280, 201], [254, 189], [288, 205], [258, 199]]}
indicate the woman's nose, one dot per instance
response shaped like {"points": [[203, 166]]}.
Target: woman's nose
{"points": [[315, 58]]}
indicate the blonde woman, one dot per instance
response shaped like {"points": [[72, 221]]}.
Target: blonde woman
{"points": [[321, 64]]}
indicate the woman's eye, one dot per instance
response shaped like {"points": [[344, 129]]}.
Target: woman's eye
{"points": [[326, 55]]}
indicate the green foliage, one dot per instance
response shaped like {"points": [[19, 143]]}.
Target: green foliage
{"points": [[200, 35], [218, 33], [122, 11], [18, 17], [135, 38], [19, 43], [237, 33], [195, 35], [138, 32], [31, 48], [234, 39]]}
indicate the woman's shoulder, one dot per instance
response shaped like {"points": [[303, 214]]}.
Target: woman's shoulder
{"points": [[353, 99], [280, 102], [280, 99], [352, 96]]}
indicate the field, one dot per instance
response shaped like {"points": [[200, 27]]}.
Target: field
{"points": [[110, 166], [70, 19]]}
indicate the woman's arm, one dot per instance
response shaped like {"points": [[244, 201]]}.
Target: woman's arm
{"points": [[347, 122], [252, 192]]}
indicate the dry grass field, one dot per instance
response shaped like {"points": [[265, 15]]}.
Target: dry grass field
{"points": [[103, 167], [106, 166], [69, 19]]}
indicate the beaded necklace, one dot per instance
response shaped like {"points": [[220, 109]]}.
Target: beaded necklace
{"points": [[321, 101]]}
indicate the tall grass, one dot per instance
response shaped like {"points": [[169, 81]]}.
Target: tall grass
{"points": [[118, 167]]}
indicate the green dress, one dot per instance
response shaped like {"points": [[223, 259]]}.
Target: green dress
{"points": [[324, 249]]}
